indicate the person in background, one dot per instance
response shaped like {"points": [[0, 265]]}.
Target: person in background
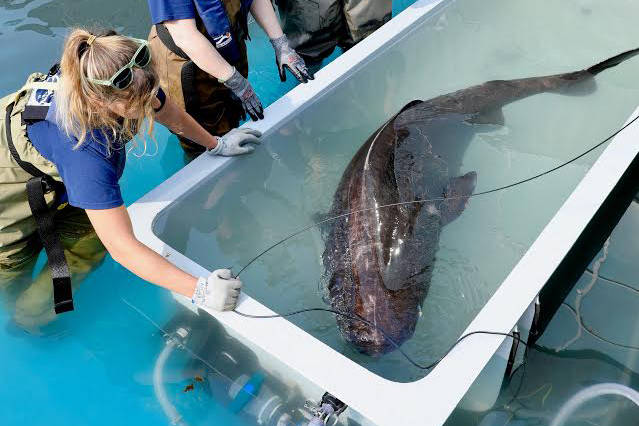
{"points": [[63, 143], [315, 28], [202, 61]]}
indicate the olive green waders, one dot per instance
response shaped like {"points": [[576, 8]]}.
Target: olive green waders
{"points": [[21, 239]]}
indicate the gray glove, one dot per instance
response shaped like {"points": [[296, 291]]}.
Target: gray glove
{"points": [[218, 292], [243, 90], [236, 142], [287, 57]]}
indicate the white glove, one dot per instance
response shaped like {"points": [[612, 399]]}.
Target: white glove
{"points": [[218, 292], [236, 142]]}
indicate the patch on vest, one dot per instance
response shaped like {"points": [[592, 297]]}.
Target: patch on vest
{"points": [[39, 101], [222, 40]]}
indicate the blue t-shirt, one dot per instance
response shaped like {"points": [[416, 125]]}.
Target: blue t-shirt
{"points": [[90, 173], [169, 10]]}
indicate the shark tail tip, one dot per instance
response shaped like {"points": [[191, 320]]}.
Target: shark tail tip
{"points": [[612, 62]]}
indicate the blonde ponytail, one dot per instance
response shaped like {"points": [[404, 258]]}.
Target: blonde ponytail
{"points": [[82, 105]]}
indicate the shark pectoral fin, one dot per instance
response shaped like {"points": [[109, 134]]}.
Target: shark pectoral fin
{"points": [[459, 190], [491, 116]]}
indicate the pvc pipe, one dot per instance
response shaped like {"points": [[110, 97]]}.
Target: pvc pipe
{"points": [[158, 385]]}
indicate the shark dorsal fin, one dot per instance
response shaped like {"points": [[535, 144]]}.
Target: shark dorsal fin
{"points": [[410, 105]]}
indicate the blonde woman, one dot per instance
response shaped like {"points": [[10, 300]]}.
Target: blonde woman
{"points": [[72, 126]]}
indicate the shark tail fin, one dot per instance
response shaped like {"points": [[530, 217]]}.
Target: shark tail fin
{"points": [[611, 62]]}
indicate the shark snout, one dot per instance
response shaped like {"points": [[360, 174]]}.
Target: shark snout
{"points": [[371, 344], [373, 341]]}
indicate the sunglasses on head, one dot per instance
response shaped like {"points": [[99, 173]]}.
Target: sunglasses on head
{"points": [[124, 76]]}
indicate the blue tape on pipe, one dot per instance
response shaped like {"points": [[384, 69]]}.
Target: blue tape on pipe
{"points": [[247, 393]]}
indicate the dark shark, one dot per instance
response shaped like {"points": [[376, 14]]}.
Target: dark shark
{"points": [[379, 262]]}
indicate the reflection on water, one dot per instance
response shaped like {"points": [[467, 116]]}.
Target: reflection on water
{"points": [[32, 30], [45, 17]]}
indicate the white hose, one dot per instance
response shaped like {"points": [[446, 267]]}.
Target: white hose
{"points": [[583, 292], [592, 392], [158, 385]]}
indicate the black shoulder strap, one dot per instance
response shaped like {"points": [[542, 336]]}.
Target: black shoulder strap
{"points": [[26, 166], [165, 37], [44, 217], [37, 186]]}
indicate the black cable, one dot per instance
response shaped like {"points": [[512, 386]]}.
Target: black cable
{"points": [[358, 318], [611, 281], [523, 366], [490, 191], [381, 330]]}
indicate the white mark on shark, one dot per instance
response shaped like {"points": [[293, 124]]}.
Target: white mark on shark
{"points": [[368, 154]]}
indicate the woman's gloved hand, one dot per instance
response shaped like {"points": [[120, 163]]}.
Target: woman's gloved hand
{"points": [[287, 57], [236, 142], [218, 292], [243, 90]]}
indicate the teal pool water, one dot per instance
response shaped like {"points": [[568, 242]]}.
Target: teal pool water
{"points": [[94, 365]]}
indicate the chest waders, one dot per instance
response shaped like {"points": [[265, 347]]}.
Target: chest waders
{"points": [[210, 103], [225, 24], [41, 185]]}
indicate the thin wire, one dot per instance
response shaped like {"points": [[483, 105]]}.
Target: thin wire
{"points": [[523, 366], [614, 282], [383, 333], [594, 334], [490, 191]]}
